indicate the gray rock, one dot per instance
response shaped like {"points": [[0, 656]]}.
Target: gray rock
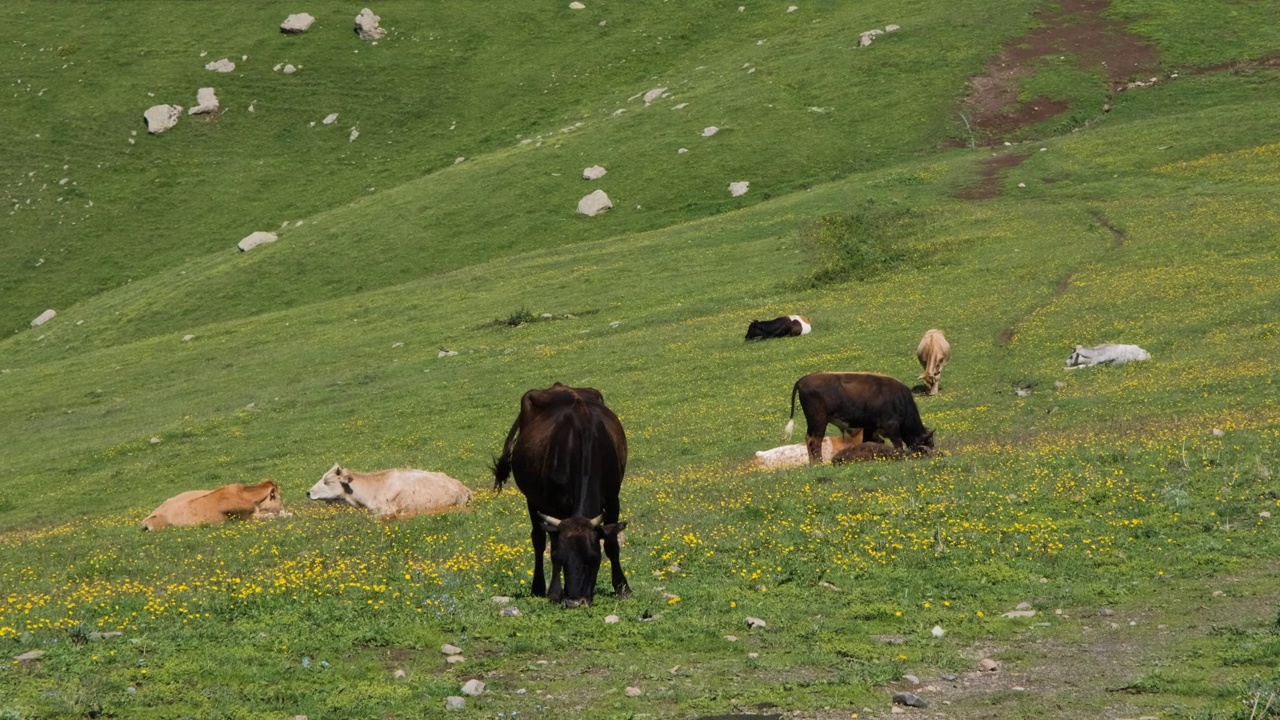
{"points": [[330, 119], [297, 23], [500, 599], [948, 678], [453, 702], [755, 622], [1020, 614], [738, 189], [828, 586], [206, 102], [473, 687], [448, 649], [161, 117], [1024, 605], [594, 204], [911, 679], [510, 612], [633, 692], [595, 172], [399, 674], [909, 699], [44, 317], [367, 26], [188, 338], [454, 659], [253, 240], [890, 639], [891, 28], [1106, 612], [611, 619], [653, 94], [988, 665], [29, 656], [222, 66], [710, 130], [105, 635]]}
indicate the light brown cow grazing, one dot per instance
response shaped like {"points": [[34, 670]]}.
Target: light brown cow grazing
{"points": [[933, 354], [397, 493], [197, 507], [797, 455]]}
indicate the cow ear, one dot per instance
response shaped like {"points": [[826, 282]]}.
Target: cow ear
{"points": [[612, 529]]}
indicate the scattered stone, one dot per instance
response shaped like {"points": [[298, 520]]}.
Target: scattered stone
{"points": [[755, 622], [633, 692], [459, 160], [1218, 593], [289, 69], [909, 699], [1218, 433], [1264, 514], [1044, 580], [161, 117], [155, 440], [222, 66], [911, 679], [595, 172], [710, 130], [753, 655], [611, 619], [131, 690], [1024, 605], [594, 204], [206, 102], [682, 151], [731, 638], [828, 586], [1018, 688], [453, 702], [44, 317], [297, 23], [897, 710], [738, 189], [500, 599], [938, 631], [399, 674], [891, 28], [1020, 614], [1106, 612], [473, 687], [355, 133], [792, 9], [510, 612], [1022, 185], [987, 665], [1058, 384], [330, 119], [653, 94], [948, 677], [448, 649], [29, 656], [367, 26], [454, 659], [865, 39], [253, 240], [575, 5], [105, 635]]}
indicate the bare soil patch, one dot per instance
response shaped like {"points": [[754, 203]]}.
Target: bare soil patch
{"points": [[990, 172], [1074, 28]]}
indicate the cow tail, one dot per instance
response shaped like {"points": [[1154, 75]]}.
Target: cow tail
{"points": [[791, 422], [502, 463]]}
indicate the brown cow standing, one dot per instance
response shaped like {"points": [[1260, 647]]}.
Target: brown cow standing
{"points": [[568, 454], [878, 405], [196, 507], [933, 352]]}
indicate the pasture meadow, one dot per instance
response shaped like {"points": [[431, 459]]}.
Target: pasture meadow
{"points": [[1132, 507]]}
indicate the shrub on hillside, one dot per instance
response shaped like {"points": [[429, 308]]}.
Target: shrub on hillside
{"points": [[857, 245]]}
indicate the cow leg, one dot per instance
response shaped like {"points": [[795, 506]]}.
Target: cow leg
{"points": [[892, 433], [538, 537], [613, 552]]}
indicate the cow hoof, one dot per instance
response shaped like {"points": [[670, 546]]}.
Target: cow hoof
{"points": [[571, 604], [622, 592]]}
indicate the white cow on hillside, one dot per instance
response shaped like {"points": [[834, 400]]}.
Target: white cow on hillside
{"points": [[398, 493], [1098, 354]]}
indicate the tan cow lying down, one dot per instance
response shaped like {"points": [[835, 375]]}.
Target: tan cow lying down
{"points": [[933, 352], [197, 507], [397, 493], [862, 452], [797, 455]]}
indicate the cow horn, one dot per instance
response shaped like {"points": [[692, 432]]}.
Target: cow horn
{"points": [[553, 522], [597, 521]]}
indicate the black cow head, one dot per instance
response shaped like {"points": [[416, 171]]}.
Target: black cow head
{"points": [[577, 552], [925, 441]]}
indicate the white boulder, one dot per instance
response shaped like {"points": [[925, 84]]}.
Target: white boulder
{"points": [[206, 102], [892, 28], [289, 69], [223, 66], [330, 119], [653, 94], [595, 172], [162, 117], [709, 131], [297, 23], [253, 240], [575, 5], [44, 317], [594, 204], [367, 26], [738, 189]]}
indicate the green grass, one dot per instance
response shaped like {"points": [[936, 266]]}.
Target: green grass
{"points": [[1105, 487]]}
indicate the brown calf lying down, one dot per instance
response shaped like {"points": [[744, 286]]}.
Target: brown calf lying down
{"points": [[797, 455], [196, 507], [875, 451]]}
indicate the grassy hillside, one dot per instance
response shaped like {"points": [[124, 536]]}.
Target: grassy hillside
{"points": [[1153, 223]]}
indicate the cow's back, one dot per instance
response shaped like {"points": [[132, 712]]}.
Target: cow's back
{"points": [[174, 511], [405, 492]]}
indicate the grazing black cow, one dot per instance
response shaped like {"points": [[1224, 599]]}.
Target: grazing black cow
{"points": [[879, 405], [785, 326], [568, 453]]}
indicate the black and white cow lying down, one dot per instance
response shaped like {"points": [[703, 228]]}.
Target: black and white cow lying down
{"points": [[785, 326]]}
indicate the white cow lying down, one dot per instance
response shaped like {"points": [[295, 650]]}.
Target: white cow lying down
{"points": [[797, 455], [1098, 354], [398, 493]]}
